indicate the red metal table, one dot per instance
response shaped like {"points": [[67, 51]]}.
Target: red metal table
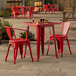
{"points": [[40, 29]]}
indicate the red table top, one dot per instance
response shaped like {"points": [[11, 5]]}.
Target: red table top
{"points": [[41, 24]]}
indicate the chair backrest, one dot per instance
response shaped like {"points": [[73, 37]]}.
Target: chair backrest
{"points": [[52, 6], [10, 29], [65, 27], [14, 9], [32, 9], [45, 6]]}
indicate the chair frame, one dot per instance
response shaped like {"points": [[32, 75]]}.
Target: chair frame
{"points": [[60, 38], [46, 8], [30, 13], [14, 12], [17, 42]]}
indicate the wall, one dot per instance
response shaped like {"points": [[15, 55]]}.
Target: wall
{"points": [[3, 4], [66, 3]]}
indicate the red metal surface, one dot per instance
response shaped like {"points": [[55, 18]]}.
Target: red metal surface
{"points": [[61, 37], [23, 10], [40, 33], [46, 8], [15, 12], [42, 39], [41, 24], [50, 7], [17, 43]]}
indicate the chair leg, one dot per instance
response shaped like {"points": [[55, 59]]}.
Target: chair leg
{"points": [[52, 10], [21, 50], [14, 55], [25, 50], [44, 10], [61, 47], [16, 52], [7, 52], [57, 9], [69, 46], [48, 47], [30, 52], [58, 46], [29, 14]]}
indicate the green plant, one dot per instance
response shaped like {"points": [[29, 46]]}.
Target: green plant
{"points": [[5, 12], [31, 36], [4, 34], [1, 13]]}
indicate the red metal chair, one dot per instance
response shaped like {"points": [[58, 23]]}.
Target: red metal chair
{"points": [[51, 7], [46, 8], [30, 12], [25, 12], [17, 42], [61, 37], [55, 8], [15, 12]]}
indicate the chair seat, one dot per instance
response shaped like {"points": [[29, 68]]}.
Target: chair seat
{"points": [[57, 36], [61, 37], [17, 43], [19, 40]]}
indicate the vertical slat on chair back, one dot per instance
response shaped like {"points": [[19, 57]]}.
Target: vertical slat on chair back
{"points": [[27, 32], [65, 27], [8, 32], [13, 32]]}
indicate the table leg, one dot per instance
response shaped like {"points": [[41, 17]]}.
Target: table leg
{"points": [[38, 42], [22, 12], [54, 42], [42, 39]]}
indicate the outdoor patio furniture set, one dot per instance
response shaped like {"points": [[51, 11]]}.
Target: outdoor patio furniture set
{"points": [[50, 7], [40, 33], [20, 10], [24, 10]]}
